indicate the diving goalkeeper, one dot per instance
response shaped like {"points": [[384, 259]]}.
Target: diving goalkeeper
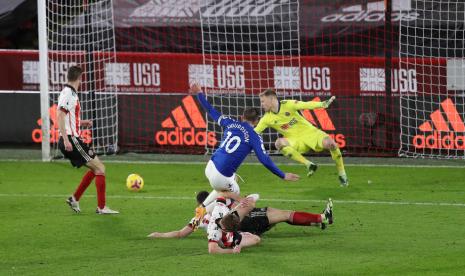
{"points": [[299, 135]]}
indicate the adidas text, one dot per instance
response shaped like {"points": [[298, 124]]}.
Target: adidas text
{"points": [[188, 137], [369, 16], [438, 140]]}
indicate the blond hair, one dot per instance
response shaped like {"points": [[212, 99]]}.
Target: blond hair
{"points": [[268, 92]]}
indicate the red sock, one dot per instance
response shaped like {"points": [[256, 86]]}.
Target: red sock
{"points": [[85, 182], [100, 184], [302, 218]]}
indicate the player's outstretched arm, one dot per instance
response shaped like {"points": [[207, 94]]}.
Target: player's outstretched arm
{"points": [[313, 104], [184, 232]]}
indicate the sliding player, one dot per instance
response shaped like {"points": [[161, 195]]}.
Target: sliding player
{"points": [[74, 148], [257, 221], [299, 135], [239, 139], [221, 241]]}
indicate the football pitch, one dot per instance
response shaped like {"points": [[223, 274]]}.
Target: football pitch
{"points": [[394, 220]]}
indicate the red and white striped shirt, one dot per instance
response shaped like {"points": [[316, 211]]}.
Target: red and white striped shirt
{"points": [[68, 102], [215, 234]]}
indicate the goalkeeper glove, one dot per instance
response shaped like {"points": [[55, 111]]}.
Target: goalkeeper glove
{"points": [[327, 103]]}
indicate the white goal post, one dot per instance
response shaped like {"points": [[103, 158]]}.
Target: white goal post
{"points": [[78, 33], [43, 77]]}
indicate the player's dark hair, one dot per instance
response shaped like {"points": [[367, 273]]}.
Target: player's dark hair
{"points": [[201, 196], [74, 72], [230, 222], [251, 115], [269, 92]]}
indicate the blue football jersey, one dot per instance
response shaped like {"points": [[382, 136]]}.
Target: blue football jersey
{"points": [[239, 139]]}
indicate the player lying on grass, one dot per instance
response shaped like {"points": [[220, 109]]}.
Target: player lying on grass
{"points": [[299, 135], [257, 221], [72, 146], [239, 139], [221, 241]]}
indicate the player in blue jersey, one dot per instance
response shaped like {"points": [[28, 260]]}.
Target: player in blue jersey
{"points": [[239, 139]]}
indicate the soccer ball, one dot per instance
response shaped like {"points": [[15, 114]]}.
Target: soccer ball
{"points": [[134, 182]]}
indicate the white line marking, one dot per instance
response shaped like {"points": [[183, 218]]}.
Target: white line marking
{"points": [[287, 164], [449, 204], [245, 163]]}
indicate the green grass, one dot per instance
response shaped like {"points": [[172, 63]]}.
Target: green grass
{"points": [[40, 235]]}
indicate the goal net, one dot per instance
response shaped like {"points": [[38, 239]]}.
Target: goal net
{"points": [[432, 120], [306, 50], [248, 46], [82, 33]]}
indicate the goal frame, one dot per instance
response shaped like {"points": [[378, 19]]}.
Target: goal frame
{"points": [[100, 97], [43, 79]]}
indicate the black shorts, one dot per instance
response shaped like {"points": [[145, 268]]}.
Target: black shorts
{"points": [[256, 222], [80, 155]]}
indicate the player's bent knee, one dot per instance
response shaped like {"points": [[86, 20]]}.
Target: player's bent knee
{"points": [[329, 144], [99, 170], [333, 146], [252, 204], [96, 166]]}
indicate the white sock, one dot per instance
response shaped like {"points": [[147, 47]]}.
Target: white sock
{"points": [[210, 198]]}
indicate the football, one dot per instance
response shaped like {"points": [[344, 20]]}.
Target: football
{"points": [[134, 182]]}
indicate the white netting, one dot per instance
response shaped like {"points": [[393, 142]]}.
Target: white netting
{"points": [[82, 33], [432, 121], [248, 46]]}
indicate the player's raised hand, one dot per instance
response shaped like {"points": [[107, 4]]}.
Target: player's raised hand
{"points": [[327, 103], [291, 177], [195, 88]]}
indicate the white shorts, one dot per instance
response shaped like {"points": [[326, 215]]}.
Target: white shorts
{"points": [[220, 182]]}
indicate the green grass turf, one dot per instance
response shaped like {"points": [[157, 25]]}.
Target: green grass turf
{"points": [[40, 235]]}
